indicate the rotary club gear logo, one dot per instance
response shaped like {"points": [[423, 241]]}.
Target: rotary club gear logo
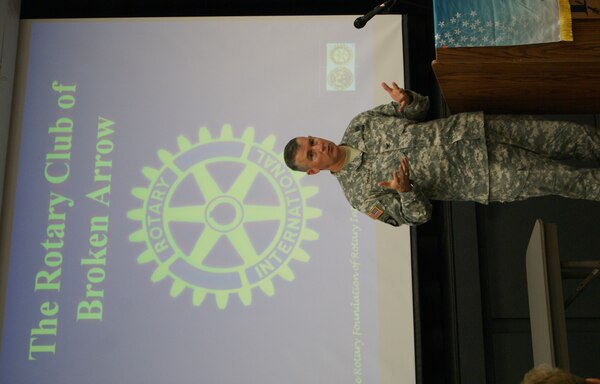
{"points": [[341, 78], [340, 67], [341, 54], [222, 217]]}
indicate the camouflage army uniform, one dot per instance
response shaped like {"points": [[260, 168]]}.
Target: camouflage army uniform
{"points": [[461, 158]]}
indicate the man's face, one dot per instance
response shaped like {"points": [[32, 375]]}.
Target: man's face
{"points": [[316, 154]]}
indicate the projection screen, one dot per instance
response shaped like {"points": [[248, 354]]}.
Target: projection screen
{"points": [[151, 232]]}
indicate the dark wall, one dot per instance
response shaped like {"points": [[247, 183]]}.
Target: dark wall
{"points": [[504, 231], [155, 8]]}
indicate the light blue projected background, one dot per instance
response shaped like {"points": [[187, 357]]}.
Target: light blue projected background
{"points": [[157, 237]]}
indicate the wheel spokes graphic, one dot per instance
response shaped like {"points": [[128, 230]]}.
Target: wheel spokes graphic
{"points": [[243, 183], [203, 246], [206, 184], [243, 245], [258, 213], [188, 214], [203, 237]]}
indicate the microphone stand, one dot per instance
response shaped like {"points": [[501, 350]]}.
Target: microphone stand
{"points": [[409, 7]]}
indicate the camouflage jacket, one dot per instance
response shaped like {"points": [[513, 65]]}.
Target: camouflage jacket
{"points": [[447, 158]]}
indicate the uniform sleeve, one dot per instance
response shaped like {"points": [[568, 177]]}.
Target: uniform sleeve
{"points": [[416, 110], [396, 208]]}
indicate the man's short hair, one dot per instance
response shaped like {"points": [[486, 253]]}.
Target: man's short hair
{"points": [[289, 155], [545, 374]]}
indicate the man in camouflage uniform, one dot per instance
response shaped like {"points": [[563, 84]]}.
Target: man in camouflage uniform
{"points": [[462, 158]]}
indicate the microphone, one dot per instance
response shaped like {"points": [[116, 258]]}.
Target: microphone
{"points": [[362, 21]]}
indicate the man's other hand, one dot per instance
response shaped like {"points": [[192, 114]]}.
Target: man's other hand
{"points": [[398, 94], [400, 180]]}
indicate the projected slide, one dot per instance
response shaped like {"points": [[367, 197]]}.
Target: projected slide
{"points": [[157, 236]]}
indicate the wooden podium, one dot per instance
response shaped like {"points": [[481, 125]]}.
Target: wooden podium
{"points": [[556, 78]]}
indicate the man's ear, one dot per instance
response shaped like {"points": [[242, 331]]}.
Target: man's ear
{"points": [[313, 171]]}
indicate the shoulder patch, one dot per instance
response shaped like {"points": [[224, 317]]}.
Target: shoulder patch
{"points": [[388, 219], [375, 211]]}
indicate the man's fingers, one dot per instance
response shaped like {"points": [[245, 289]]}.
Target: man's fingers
{"points": [[386, 87], [404, 168], [395, 85], [400, 177]]}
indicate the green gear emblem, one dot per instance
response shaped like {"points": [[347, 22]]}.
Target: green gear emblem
{"points": [[223, 216]]}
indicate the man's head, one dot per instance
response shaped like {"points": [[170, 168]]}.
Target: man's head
{"points": [[313, 154], [546, 374]]}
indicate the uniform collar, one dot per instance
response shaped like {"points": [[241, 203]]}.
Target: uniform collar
{"points": [[354, 138], [350, 166]]}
